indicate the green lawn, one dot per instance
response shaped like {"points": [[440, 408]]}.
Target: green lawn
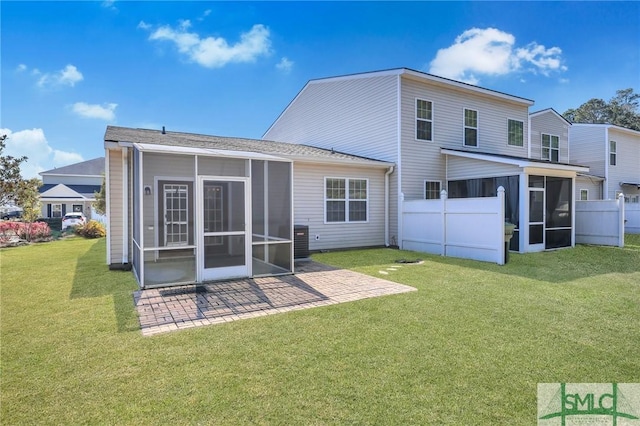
{"points": [[469, 347]]}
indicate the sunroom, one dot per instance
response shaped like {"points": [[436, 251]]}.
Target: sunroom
{"points": [[200, 214]]}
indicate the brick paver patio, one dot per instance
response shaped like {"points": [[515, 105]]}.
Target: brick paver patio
{"points": [[162, 310]]}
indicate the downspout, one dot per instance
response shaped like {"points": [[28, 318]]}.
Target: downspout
{"points": [[605, 184], [125, 206], [528, 135], [386, 205], [107, 205], [400, 197]]}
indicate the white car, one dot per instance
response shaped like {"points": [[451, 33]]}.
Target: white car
{"points": [[73, 219]]}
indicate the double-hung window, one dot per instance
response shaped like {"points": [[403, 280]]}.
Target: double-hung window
{"points": [[431, 190], [613, 153], [516, 132], [424, 120], [346, 200], [584, 194], [550, 148], [470, 127]]}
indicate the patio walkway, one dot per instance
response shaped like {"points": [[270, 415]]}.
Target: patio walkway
{"points": [[314, 284]]}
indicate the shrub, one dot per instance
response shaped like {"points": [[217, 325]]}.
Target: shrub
{"points": [[36, 231], [92, 229]]}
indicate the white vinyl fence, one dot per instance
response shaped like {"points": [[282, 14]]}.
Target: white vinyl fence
{"points": [[632, 218], [600, 222], [470, 228]]}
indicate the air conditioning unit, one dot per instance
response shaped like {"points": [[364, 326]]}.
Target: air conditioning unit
{"points": [[300, 241]]}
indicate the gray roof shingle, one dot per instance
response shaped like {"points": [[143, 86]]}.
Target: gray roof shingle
{"points": [[290, 150], [93, 167]]}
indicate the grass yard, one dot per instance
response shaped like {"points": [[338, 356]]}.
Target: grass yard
{"points": [[469, 347]]}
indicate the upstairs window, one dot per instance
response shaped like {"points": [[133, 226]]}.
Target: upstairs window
{"points": [[431, 190], [550, 148], [424, 120], [346, 200], [612, 153], [470, 127], [516, 132]]}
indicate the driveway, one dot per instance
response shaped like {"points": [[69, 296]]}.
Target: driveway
{"points": [[313, 285]]}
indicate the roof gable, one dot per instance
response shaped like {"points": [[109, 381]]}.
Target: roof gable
{"points": [[60, 191]]}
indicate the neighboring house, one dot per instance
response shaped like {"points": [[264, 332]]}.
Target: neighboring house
{"points": [[186, 208], [444, 134], [613, 156], [71, 188]]}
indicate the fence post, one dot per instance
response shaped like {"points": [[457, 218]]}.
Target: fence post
{"points": [[401, 222], [503, 244], [443, 222], [620, 203]]}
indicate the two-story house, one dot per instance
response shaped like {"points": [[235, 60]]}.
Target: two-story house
{"points": [[71, 188], [613, 156], [443, 134]]}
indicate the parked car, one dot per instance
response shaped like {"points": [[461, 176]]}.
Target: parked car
{"points": [[73, 219], [16, 214]]}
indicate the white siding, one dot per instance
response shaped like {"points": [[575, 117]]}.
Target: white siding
{"points": [[72, 180], [115, 206], [309, 209], [468, 168], [627, 168], [421, 160], [357, 116], [587, 148], [592, 185], [549, 123]]}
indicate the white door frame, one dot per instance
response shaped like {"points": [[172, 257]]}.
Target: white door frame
{"points": [[223, 272]]}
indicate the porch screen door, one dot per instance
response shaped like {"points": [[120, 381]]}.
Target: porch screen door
{"points": [[224, 243]]}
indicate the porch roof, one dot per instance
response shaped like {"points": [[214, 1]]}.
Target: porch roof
{"points": [[516, 161], [180, 142]]}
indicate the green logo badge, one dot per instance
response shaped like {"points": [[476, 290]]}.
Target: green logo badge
{"points": [[569, 404]]}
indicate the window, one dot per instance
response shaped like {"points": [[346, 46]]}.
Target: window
{"points": [[470, 127], [431, 190], [516, 132], [346, 200], [584, 194], [56, 210], [424, 120], [612, 153], [550, 148], [77, 208]]}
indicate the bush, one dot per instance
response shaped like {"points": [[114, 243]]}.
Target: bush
{"points": [[92, 229], [36, 231], [55, 223]]}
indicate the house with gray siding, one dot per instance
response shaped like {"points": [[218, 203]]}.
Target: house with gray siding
{"points": [[71, 188], [185, 208], [443, 134], [612, 154]]}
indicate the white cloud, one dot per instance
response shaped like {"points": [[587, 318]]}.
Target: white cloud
{"points": [[285, 65], [103, 112], [109, 4], [21, 68], [216, 52], [41, 155], [204, 14], [490, 52], [143, 25], [68, 76]]}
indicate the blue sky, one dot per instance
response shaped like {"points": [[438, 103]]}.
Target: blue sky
{"points": [[69, 69]]}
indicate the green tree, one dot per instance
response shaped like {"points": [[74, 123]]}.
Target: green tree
{"points": [[621, 110], [100, 205], [10, 177], [28, 197]]}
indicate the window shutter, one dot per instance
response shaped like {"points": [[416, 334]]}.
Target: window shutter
{"points": [[64, 209], [49, 210]]}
